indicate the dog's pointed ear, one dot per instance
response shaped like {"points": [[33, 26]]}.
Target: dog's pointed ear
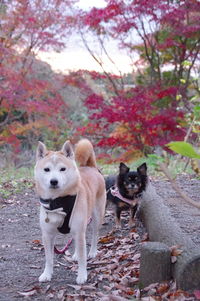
{"points": [[123, 168], [67, 149], [142, 169], [41, 151]]}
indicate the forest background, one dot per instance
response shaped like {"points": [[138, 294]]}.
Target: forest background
{"points": [[127, 115]]}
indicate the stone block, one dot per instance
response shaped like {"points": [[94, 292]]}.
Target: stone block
{"points": [[155, 263], [162, 227]]}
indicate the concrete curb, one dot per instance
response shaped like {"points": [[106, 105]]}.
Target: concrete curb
{"points": [[162, 227], [155, 263]]}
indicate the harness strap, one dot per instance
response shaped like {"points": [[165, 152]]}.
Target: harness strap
{"points": [[115, 192], [66, 204]]}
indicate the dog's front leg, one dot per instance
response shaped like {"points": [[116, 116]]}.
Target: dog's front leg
{"points": [[132, 215], [81, 255], [48, 241]]}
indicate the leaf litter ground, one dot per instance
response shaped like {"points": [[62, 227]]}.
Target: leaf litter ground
{"points": [[112, 275]]}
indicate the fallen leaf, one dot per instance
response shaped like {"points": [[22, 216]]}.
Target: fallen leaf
{"points": [[107, 288], [61, 293], [34, 267], [106, 239], [89, 287], [76, 287], [162, 288], [30, 292], [36, 242], [173, 259], [147, 299], [153, 285], [176, 251], [113, 298]]}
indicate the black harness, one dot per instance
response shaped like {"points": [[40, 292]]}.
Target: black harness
{"points": [[67, 203]]}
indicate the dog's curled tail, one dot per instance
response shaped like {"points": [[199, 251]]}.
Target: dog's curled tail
{"points": [[84, 153]]}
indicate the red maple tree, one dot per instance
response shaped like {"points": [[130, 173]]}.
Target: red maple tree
{"points": [[27, 102], [166, 36]]}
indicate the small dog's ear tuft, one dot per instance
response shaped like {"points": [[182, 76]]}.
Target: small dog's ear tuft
{"points": [[41, 151], [142, 169], [67, 149], [123, 169]]}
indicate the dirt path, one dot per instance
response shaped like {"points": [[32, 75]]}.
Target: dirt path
{"points": [[114, 272], [22, 255]]}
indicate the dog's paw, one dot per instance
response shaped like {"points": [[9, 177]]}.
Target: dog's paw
{"points": [[92, 254], [75, 257], [81, 278], [44, 277]]}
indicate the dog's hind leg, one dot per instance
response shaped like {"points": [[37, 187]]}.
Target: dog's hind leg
{"points": [[95, 230], [81, 256], [97, 220], [48, 241]]}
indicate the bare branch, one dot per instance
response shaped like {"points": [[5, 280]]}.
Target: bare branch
{"points": [[175, 186], [100, 63]]}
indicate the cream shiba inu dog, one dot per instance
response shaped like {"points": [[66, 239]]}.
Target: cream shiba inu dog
{"points": [[69, 196]]}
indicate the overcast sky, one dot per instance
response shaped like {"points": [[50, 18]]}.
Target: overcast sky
{"points": [[91, 3], [76, 57]]}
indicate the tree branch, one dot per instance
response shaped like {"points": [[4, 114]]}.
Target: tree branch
{"points": [[100, 63], [175, 186]]}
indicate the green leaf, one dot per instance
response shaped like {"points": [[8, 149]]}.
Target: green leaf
{"points": [[183, 81], [184, 149], [196, 110], [195, 97], [178, 96], [186, 63]]}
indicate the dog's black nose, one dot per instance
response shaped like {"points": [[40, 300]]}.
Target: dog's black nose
{"points": [[54, 182]]}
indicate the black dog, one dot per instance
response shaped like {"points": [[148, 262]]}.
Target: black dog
{"points": [[125, 189]]}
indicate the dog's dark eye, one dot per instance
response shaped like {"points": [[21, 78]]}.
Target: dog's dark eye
{"points": [[62, 169], [47, 169]]}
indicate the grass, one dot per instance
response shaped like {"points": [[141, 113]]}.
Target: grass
{"points": [[175, 167], [14, 180]]}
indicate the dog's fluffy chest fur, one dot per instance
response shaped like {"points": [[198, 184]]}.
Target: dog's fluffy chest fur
{"points": [[51, 220]]}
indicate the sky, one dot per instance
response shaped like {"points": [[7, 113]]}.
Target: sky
{"points": [[85, 4], [76, 57]]}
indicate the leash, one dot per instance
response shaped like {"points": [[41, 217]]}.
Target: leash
{"points": [[62, 251]]}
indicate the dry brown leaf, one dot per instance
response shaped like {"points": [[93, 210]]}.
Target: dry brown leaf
{"points": [[162, 288], [149, 287], [113, 298], [176, 251], [106, 239], [30, 292], [89, 287]]}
